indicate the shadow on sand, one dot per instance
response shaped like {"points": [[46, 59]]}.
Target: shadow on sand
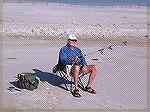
{"points": [[51, 78]]}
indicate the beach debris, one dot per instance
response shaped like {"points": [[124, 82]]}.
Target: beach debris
{"points": [[11, 58], [101, 51], [103, 36], [95, 59], [32, 30], [146, 36], [47, 88], [110, 47], [54, 97], [121, 107], [125, 42]]}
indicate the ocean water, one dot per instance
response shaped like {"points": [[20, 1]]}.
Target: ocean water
{"points": [[101, 2], [90, 2]]}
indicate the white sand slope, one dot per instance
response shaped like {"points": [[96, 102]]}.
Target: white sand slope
{"points": [[36, 20]]}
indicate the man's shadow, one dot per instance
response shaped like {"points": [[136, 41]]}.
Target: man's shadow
{"points": [[51, 78]]}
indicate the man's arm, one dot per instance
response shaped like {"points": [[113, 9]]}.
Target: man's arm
{"points": [[64, 58], [82, 58]]}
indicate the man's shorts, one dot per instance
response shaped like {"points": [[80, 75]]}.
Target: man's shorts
{"points": [[69, 67]]}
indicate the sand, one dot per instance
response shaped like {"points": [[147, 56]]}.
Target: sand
{"points": [[34, 33]]}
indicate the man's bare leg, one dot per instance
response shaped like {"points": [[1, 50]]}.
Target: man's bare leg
{"points": [[75, 71], [93, 70]]}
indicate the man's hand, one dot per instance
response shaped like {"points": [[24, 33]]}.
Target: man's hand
{"points": [[75, 58]]}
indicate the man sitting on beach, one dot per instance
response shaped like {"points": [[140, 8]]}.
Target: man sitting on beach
{"points": [[72, 55]]}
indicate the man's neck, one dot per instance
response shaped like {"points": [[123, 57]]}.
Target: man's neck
{"points": [[71, 47]]}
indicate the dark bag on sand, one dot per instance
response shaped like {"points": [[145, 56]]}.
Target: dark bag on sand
{"points": [[27, 81]]}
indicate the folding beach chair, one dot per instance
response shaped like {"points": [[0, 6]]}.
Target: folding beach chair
{"points": [[68, 76]]}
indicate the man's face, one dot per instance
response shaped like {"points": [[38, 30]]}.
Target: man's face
{"points": [[72, 43]]}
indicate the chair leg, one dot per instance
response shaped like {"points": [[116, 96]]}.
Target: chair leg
{"points": [[63, 76], [71, 86], [71, 80], [81, 82]]}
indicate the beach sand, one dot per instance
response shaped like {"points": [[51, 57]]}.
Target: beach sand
{"points": [[34, 33]]}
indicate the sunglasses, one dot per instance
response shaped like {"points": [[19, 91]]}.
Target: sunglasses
{"points": [[73, 40]]}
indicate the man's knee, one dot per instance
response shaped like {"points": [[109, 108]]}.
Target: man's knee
{"points": [[85, 71], [75, 68], [89, 68], [94, 68]]}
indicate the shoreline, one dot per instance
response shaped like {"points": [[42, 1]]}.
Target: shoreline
{"points": [[89, 5], [56, 40]]}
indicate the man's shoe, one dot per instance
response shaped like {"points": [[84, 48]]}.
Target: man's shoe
{"points": [[76, 93], [90, 90]]}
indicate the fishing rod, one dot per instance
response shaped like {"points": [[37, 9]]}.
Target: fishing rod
{"points": [[100, 50]]}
